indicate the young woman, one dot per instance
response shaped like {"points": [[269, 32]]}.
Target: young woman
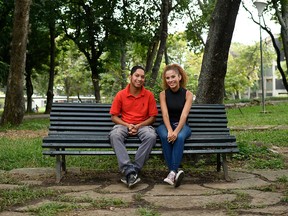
{"points": [[175, 102]]}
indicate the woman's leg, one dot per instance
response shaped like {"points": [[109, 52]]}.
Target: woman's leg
{"points": [[178, 147], [166, 147]]}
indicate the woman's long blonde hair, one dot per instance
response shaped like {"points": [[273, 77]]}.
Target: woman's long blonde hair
{"points": [[179, 70]]}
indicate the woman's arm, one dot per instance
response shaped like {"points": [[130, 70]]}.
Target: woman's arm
{"points": [[164, 110], [185, 112]]}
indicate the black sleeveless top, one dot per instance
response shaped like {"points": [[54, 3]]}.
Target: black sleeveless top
{"points": [[175, 103]]}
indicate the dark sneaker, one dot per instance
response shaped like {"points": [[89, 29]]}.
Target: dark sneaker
{"points": [[132, 179], [124, 180], [178, 178]]}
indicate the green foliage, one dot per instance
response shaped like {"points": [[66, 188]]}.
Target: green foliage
{"points": [[198, 25], [74, 76], [243, 68]]}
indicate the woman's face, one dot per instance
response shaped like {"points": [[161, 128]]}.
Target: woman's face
{"points": [[173, 79]]}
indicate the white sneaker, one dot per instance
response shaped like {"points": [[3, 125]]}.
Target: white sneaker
{"points": [[170, 179], [178, 178]]}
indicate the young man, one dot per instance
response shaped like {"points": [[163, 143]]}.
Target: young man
{"points": [[133, 111]]}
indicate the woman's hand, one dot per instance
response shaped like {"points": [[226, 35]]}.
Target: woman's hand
{"points": [[172, 136]]}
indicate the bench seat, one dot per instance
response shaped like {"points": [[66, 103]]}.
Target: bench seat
{"points": [[83, 128]]}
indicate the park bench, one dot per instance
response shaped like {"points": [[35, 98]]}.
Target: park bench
{"points": [[82, 129]]}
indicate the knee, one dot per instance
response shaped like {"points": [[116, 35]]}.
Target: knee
{"points": [[152, 136], [181, 138], [162, 131]]}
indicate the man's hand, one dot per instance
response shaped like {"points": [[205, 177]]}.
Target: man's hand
{"points": [[133, 129]]}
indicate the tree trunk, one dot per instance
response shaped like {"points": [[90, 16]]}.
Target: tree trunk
{"points": [[165, 10], [123, 67], [151, 53], [29, 89], [50, 93], [278, 60], [284, 31], [14, 107], [96, 84], [214, 66]]}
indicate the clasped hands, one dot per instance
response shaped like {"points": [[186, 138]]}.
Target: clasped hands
{"points": [[171, 137], [133, 129]]}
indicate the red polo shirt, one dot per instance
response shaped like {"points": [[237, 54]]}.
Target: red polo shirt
{"points": [[133, 109]]}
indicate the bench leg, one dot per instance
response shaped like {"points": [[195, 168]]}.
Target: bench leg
{"points": [[63, 163], [225, 167], [58, 168], [219, 162]]}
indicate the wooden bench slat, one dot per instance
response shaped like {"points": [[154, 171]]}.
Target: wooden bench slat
{"points": [[98, 139], [155, 152], [131, 145]]}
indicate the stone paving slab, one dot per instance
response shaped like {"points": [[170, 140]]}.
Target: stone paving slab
{"points": [[8, 186], [74, 188], [185, 189], [33, 172], [111, 212], [195, 213], [8, 213], [125, 197], [122, 188], [239, 184], [262, 198], [45, 203], [270, 210], [271, 175], [184, 202]]}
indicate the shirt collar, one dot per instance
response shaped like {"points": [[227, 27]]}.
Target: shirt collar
{"points": [[129, 94]]}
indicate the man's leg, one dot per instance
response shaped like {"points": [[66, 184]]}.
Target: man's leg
{"points": [[147, 135], [117, 137]]}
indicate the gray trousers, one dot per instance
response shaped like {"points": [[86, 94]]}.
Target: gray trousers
{"points": [[117, 137]]}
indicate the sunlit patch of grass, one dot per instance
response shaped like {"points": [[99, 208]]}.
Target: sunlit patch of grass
{"points": [[148, 212], [108, 202], [53, 208], [242, 201], [251, 115], [22, 195]]}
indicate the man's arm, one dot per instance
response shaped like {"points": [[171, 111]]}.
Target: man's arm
{"points": [[118, 120]]}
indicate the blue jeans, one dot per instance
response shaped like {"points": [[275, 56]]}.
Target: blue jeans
{"points": [[173, 153]]}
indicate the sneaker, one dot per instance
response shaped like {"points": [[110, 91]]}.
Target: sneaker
{"points": [[132, 179], [170, 179], [178, 178], [124, 180]]}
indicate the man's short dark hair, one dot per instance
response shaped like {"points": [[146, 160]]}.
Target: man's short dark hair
{"points": [[136, 68]]}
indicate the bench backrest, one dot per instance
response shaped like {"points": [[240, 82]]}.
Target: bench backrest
{"points": [[94, 118]]}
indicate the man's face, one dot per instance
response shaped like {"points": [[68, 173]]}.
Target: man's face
{"points": [[137, 78]]}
